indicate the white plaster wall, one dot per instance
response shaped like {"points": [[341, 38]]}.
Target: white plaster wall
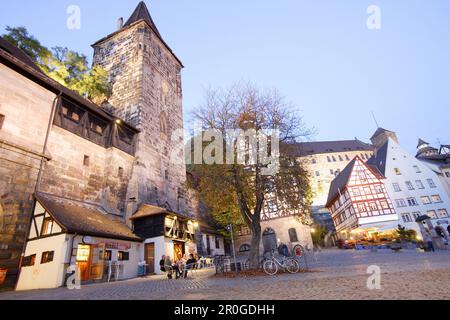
{"points": [[48, 275]]}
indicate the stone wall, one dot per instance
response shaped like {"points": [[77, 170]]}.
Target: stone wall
{"points": [[26, 107], [146, 91]]}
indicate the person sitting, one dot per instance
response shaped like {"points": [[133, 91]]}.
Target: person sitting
{"points": [[162, 263], [190, 264], [168, 267]]}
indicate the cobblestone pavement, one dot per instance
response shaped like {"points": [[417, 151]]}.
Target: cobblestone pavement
{"points": [[335, 275]]}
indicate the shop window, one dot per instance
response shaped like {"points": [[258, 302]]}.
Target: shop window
{"points": [[244, 248], [293, 235], [29, 261], [108, 255], [2, 120], [47, 257], [123, 256], [47, 226]]}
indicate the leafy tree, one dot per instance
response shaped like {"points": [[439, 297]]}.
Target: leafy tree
{"points": [[405, 235], [67, 67], [237, 192]]}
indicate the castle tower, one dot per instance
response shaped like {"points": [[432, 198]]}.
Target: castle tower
{"points": [[145, 76]]}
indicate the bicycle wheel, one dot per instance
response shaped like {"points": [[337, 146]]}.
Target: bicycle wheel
{"points": [[292, 266], [270, 267]]}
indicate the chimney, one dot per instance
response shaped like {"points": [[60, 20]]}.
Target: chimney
{"points": [[120, 24]]}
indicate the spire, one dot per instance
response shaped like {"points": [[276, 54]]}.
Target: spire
{"points": [[422, 143], [141, 13]]}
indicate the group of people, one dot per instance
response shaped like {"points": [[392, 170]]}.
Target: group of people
{"points": [[180, 267]]}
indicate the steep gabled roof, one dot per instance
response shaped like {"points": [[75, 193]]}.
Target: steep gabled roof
{"points": [[85, 219], [339, 183], [141, 13], [379, 159], [323, 147], [421, 143], [380, 131]]}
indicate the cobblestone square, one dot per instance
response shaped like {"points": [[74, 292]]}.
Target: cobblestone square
{"points": [[336, 275]]}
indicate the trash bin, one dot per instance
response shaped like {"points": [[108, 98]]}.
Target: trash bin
{"points": [[141, 270]]}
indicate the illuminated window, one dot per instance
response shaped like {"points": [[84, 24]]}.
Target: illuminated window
{"points": [[443, 213], [397, 171], [83, 253], [47, 257], [47, 226], [123, 256], [425, 200], [432, 214], [436, 198]]}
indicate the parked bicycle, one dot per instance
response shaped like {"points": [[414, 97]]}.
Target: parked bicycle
{"points": [[272, 265]]}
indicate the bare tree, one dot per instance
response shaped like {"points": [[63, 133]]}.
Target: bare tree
{"points": [[237, 192]]}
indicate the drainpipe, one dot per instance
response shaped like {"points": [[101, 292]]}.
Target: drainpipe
{"points": [[36, 189]]}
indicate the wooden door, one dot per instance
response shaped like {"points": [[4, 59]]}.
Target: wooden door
{"points": [[84, 254], [150, 257]]}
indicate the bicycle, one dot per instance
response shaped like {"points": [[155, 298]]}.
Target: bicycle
{"points": [[272, 265]]}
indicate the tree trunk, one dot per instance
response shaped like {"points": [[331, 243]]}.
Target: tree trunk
{"points": [[256, 240]]}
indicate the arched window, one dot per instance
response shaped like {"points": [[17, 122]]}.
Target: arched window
{"points": [[293, 235], [244, 248]]}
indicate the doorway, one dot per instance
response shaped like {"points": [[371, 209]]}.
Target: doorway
{"points": [[270, 241], [179, 250], [150, 257], [84, 261]]}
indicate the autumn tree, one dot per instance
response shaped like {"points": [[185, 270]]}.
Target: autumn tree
{"points": [[67, 67], [236, 192]]}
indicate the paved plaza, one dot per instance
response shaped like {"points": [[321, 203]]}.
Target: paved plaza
{"points": [[335, 274]]}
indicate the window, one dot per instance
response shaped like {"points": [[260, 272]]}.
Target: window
{"points": [[425, 200], [166, 174], [217, 243], [347, 157], [328, 158], [436, 198], [412, 202], [47, 226], [331, 172], [432, 214], [86, 161], [378, 189], [340, 158], [409, 185], [120, 172], [47, 257], [419, 184], [313, 161], [417, 169], [29, 261], [123, 256], [108, 255], [361, 207], [406, 218], [334, 159], [397, 171], [70, 111], [2, 120], [244, 248], [367, 190], [293, 235], [443, 213], [400, 203], [317, 174], [431, 183], [384, 204], [416, 215], [373, 206], [396, 187], [447, 174]]}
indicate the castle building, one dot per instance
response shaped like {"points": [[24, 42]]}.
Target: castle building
{"points": [[437, 160], [358, 201], [98, 188], [325, 160], [415, 190]]}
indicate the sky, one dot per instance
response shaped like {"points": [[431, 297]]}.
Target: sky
{"points": [[319, 53]]}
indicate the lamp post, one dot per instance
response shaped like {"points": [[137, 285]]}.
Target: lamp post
{"points": [[230, 227]]}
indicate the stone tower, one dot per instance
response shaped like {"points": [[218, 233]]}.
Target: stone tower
{"points": [[145, 76]]}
